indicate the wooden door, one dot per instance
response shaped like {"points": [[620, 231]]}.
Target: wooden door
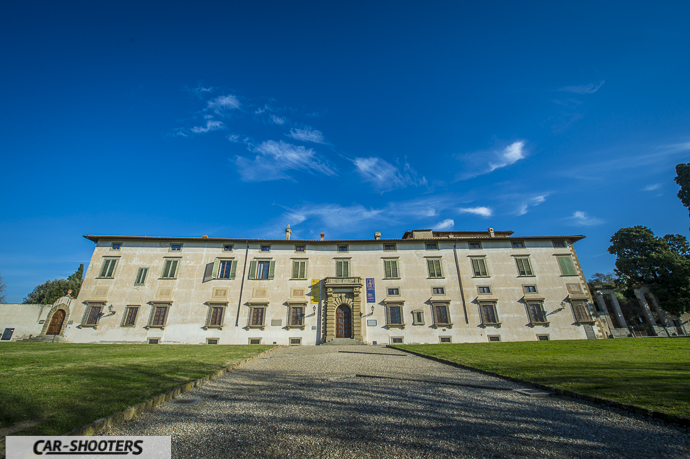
{"points": [[56, 322], [343, 322]]}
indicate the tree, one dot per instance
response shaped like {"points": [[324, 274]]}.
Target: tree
{"points": [[662, 263], [2, 291], [683, 179], [49, 291]]}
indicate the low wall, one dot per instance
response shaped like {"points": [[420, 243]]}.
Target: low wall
{"points": [[24, 318]]}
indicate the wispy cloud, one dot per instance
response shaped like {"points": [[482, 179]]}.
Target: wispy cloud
{"points": [[234, 138], [481, 211], [582, 219], [274, 159], [223, 103], [278, 120], [530, 202], [585, 88], [306, 135], [385, 176], [445, 225], [211, 125], [332, 215], [477, 164], [656, 186]]}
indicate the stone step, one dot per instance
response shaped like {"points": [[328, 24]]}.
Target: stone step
{"points": [[344, 342], [41, 339]]}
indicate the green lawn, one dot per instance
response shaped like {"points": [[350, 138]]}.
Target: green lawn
{"points": [[64, 386], [651, 372]]}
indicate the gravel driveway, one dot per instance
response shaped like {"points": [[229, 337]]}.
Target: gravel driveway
{"points": [[367, 401]]}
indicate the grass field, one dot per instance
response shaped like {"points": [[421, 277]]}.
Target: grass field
{"points": [[651, 372], [59, 387]]}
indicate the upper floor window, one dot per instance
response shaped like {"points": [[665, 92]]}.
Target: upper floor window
{"points": [[479, 267], [438, 290], [434, 265], [116, 246], [299, 269], [394, 291], [475, 245], [175, 247], [484, 290], [390, 268], [342, 268], [108, 269], [530, 288], [170, 268], [432, 246], [226, 269], [342, 248], [300, 248], [265, 248], [262, 269], [227, 248], [518, 245], [141, 276], [559, 244], [389, 247], [523, 266], [567, 267]]}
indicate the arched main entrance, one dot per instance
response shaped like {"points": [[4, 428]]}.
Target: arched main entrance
{"points": [[56, 322], [343, 322]]}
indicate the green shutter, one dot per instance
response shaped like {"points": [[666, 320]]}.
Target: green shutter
{"points": [[394, 268], [387, 267], [173, 268], [166, 268], [295, 269], [111, 267], [479, 267], [346, 268], [567, 267], [338, 268], [214, 273], [252, 269], [233, 269], [302, 270], [271, 269], [430, 266]]}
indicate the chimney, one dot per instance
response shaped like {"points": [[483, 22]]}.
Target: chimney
{"points": [[377, 235], [491, 232], [288, 232], [322, 235]]}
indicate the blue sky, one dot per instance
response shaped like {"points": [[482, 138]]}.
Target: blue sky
{"points": [[233, 119]]}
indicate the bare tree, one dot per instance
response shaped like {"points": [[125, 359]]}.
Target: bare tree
{"points": [[2, 291]]}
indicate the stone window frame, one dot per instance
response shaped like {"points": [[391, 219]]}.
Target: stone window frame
{"points": [[394, 264], [477, 243], [584, 304], [218, 264], [153, 341], [397, 340], [228, 247], [434, 244], [442, 293], [302, 246], [418, 314], [142, 274], [254, 267], [349, 266], [91, 305], [476, 266], [249, 340], [398, 303], [265, 248], [174, 274], [529, 265], [339, 248], [393, 247], [527, 292], [257, 305], [292, 305], [209, 316], [479, 291], [388, 293], [540, 304], [152, 316], [559, 244], [518, 245], [491, 304], [116, 246], [109, 267], [579, 288], [494, 338], [295, 338], [171, 247], [305, 276], [125, 315], [448, 340], [440, 266], [569, 257], [446, 304], [216, 339], [543, 337]]}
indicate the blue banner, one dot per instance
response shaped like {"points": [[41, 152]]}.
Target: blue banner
{"points": [[371, 295]]}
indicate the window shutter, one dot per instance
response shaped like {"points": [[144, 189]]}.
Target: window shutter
{"points": [[233, 269], [338, 268], [394, 268], [271, 269], [111, 268], [387, 267], [430, 265], [252, 269], [346, 268], [166, 268], [567, 267], [173, 268], [302, 270], [214, 273], [475, 266]]}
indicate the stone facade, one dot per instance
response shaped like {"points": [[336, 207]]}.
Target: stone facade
{"points": [[426, 287]]}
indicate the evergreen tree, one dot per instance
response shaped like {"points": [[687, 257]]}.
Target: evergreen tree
{"points": [[683, 179], [49, 291]]}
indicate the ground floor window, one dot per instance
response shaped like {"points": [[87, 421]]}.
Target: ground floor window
{"points": [[536, 313], [130, 316], [441, 316], [257, 316], [296, 316], [581, 311], [159, 315], [93, 314], [489, 314], [395, 315]]}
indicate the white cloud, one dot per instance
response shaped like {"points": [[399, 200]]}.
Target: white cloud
{"points": [[482, 211], [333, 215], [585, 88], [445, 225], [656, 186], [306, 135], [476, 163], [211, 125], [385, 176], [222, 103], [278, 120], [234, 138], [582, 219], [274, 159], [531, 202]]}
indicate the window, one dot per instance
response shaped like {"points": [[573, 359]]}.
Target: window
{"points": [[141, 276], [116, 246], [391, 269], [536, 313], [484, 290], [299, 269], [159, 315], [265, 248], [394, 291], [154, 340], [295, 341], [523, 266], [93, 313], [215, 317], [342, 248], [342, 268], [212, 341], [175, 247], [395, 315], [262, 269], [558, 244], [130, 316], [296, 316], [432, 246], [396, 340], [479, 267], [108, 269], [530, 288], [441, 314], [543, 337], [256, 316], [389, 247], [417, 317], [489, 315], [574, 288], [567, 267], [300, 248], [227, 248], [434, 265], [475, 245], [494, 339], [518, 245], [445, 339], [438, 290], [170, 268], [254, 340], [581, 312], [224, 269]]}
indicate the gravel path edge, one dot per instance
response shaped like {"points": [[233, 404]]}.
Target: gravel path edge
{"points": [[676, 419], [133, 411]]}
